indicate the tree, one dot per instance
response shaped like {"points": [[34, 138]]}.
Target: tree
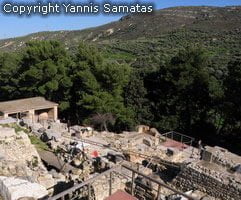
{"points": [[44, 71], [102, 120], [135, 98], [183, 92], [232, 101], [98, 86], [9, 83]]}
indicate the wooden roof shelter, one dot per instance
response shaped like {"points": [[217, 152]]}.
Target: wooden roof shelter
{"points": [[28, 105]]}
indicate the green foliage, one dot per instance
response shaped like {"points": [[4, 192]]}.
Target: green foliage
{"points": [[101, 85], [136, 99], [83, 84], [232, 105], [139, 73], [183, 92], [9, 65], [16, 127], [187, 91], [44, 72], [38, 143]]}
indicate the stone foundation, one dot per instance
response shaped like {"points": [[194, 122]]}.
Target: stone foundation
{"points": [[19, 158], [102, 186], [209, 178]]}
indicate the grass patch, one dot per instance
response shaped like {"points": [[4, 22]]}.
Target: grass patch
{"points": [[16, 127], [19, 128], [39, 145]]}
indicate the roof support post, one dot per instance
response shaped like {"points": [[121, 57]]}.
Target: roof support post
{"points": [[55, 113], [31, 116], [110, 189], [132, 183], [5, 115], [158, 191]]}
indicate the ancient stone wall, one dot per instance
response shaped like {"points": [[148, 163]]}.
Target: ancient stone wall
{"points": [[212, 182], [102, 185], [19, 158]]}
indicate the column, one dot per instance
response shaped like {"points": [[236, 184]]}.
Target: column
{"points": [[31, 115], [55, 113], [5, 115]]}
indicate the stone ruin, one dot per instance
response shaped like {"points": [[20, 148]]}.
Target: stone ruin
{"points": [[87, 153], [21, 164], [16, 188], [214, 174]]}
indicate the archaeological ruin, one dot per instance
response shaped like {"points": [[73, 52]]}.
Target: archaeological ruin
{"points": [[53, 161]]}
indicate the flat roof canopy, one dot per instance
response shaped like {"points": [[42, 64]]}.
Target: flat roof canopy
{"points": [[23, 105]]}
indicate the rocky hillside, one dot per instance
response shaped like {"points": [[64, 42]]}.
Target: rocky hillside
{"points": [[213, 20]]}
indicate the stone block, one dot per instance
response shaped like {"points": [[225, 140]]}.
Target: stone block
{"points": [[6, 132], [207, 156], [13, 188], [148, 142]]}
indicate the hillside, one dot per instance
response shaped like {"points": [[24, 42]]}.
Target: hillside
{"points": [[196, 92], [164, 32]]}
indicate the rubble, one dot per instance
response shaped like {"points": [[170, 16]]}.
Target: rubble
{"points": [[6, 132], [19, 158], [50, 134], [78, 153], [214, 170]]}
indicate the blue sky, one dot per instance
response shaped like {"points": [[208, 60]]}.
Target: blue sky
{"points": [[12, 26]]}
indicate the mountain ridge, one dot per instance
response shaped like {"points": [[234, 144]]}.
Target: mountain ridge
{"points": [[203, 25]]}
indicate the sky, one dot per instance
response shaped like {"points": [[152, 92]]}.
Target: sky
{"points": [[13, 26]]}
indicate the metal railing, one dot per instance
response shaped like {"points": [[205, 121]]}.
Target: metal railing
{"points": [[184, 139], [88, 183], [118, 170]]}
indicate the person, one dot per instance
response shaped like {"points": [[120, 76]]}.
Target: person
{"points": [[191, 156], [199, 145], [68, 125], [201, 149]]}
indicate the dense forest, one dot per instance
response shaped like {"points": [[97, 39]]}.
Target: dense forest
{"points": [[186, 92]]}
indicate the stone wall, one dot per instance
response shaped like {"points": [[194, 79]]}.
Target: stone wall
{"points": [[102, 186], [210, 179], [19, 158]]}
